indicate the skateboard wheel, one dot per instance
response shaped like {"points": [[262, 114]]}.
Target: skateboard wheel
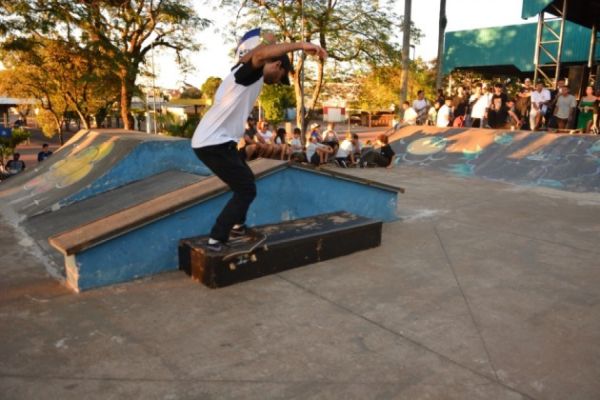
{"points": [[232, 266], [253, 258]]}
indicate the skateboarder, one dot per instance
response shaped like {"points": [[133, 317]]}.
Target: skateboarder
{"points": [[215, 139]]}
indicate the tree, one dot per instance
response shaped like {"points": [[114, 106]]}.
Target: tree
{"points": [[62, 76], [210, 86], [440, 50], [352, 31], [274, 99], [190, 92], [120, 32]]}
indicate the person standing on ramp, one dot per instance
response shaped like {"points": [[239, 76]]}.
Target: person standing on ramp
{"points": [[216, 137]]}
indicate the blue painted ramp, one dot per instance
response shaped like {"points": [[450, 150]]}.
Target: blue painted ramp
{"points": [[560, 161], [111, 206]]}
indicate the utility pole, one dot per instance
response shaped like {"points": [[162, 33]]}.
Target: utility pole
{"points": [[405, 50]]}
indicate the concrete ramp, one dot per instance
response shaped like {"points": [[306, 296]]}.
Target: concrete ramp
{"points": [[111, 206], [560, 161], [93, 162]]}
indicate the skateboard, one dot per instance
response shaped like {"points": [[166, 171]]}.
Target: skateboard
{"points": [[244, 250]]}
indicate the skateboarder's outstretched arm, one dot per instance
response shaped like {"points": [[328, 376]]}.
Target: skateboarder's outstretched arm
{"points": [[265, 53]]}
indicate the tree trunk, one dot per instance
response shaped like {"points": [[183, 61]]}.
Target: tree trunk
{"points": [[300, 106], [440, 50], [127, 84], [405, 50]]}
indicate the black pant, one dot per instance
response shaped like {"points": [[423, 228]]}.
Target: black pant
{"points": [[225, 162]]}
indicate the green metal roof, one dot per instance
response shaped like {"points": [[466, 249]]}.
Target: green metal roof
{"points": [[583, 12], [510, 46], [531, 8]]}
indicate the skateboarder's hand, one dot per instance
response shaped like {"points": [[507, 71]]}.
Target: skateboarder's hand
{"points": [[315, 50]]}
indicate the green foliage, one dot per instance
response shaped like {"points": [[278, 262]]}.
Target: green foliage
{"points": [[47, 121], [274, 99], [210, 86], [191, 93], [173, 127], [7, 146], [119, 34]]}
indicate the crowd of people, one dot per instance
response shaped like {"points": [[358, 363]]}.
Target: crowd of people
{"points": [[530, 107], [322, 147]]}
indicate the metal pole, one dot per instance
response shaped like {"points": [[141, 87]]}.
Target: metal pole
{"points": [[560, 42], [154, 88], [592, 47], [538, 43]]}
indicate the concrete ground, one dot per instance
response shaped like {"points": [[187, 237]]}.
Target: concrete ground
{"points": [[482, 290]]}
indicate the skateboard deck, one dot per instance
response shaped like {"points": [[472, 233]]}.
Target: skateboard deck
{"points": [[244, 250]]}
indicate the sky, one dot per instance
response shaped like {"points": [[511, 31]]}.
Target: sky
{"points": [[214, 58]]}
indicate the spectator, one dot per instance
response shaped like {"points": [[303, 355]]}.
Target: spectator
{"points": [[15, 165], [540, 98], [444, 115], [432, 113], [281, 144], [497, 114], [330, 138], [421, 106], [316, 152], [297, 150], [345, 155], [515, 118], [565, 107], [265, 137], [550, 116], [253, 145], [481, 101], [45, 153], [382, 155], [440, 96], [499, 93], [522, 106], [586, 110], [314, 132], [460, 103], [410, 115]]}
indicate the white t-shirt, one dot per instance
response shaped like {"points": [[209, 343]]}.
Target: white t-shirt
{"points": [[443, 116], [235, 97], [410, 116], [482, 103], [310, 150], [540, 97], [346, 148], [266, 135], [564, 104], [296, 145]]}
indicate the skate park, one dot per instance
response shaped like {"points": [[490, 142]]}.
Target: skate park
{"points": [[466, 269], [482, 281]]}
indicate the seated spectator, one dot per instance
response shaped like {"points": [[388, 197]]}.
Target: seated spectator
{"points": [[382, 154], [252, 145], [330, 138], [444, 115], [314, 132], [265, 137], [565, 107], [460, 103], [45, 153], [296, 148], [316, 153], [281, 144], [346, 154], [15, 165], [421, 106], [410, 115]]}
